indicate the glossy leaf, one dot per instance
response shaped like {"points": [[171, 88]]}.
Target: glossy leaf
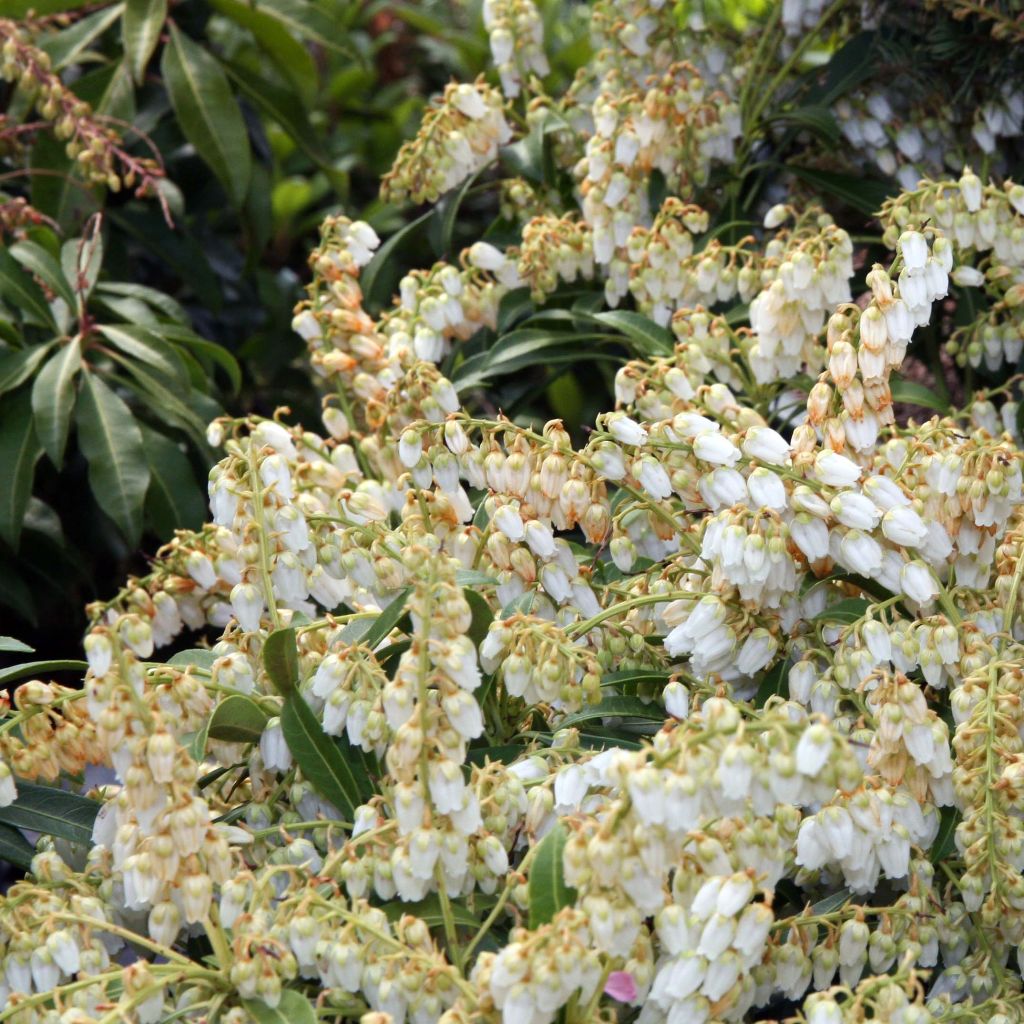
{"points": [[15, 848], [146, 346], [141, 26], [20, 450], [208, 112], [111, 441], [615, 707], [547, 890], [851, 609], [281, 660], [238, 719], [35, 668], [36, 260], [19, 365], [53, 399], [65, 47], [174, 499], [648, 338], [52, 811], [912, 393], [18, 287], [323, 762]]}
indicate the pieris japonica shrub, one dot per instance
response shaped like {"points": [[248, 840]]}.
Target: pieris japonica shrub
{"points": [[713, 713]]}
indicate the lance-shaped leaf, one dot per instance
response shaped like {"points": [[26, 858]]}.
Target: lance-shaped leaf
{"points": [[141, 26], [281, 660], [15, 848], [208, 113], [547, 889], [111, 441], [54, 812], [53, 399], [19, 452]]}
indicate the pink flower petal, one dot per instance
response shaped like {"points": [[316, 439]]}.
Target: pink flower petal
{"points": [[621, 986]]}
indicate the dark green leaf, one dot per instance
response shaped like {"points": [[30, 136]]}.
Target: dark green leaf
{"points": [[773, 683], [546, 886], [54, 812], [307, 21], [323, 762], [430, 913], [912, 393], [204, 350], [19, 365], [143, 21], [513, 307], [281, 660], [615, 707], [148, 347], [864, 195], [36, 668], [831, 903], [290, 57], [850, 609], [15, 848], [482, 616], [35, 259], [161, 303], [208, 113], [18, 287], [65, 47], [53, 399], [294, 1008], [238, 719], [111, 441], [633, 677], [819, 120], [442, 224], [19, 452], [474, 578], [649, 339], [174, 499], [379, 274], [9, 643], [945, 841], [372, 632], [280, 104]]}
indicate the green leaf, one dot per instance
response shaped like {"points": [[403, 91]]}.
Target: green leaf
{"points": [[238, 719], [35, 668], [649, 339], [819, 120], [632, 677], [281, 660], [281, 105], [323, 762], [615, 707], [53, 399], [372, 631], [830, 903], [15, 848], [912, 393], [65, 47], [9, 643], [111, 441], [850, 609], [148, 347], [204, 350], [429, 911], [35, 259], [474, 578], [19, 288], [82, 260], [52, 811], [945, 840], [208, 113], [373, 280], [547, 890], [140, 28], [19, 452], [482, 616], [194, 657], [161, 303], [294, 1008], [442, 224], [773, 683], [290, 57], [307, 21], [174, 499], [19, 365], [864, 195]]}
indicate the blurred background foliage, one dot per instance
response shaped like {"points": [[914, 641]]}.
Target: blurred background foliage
{"points": [[164, 168]]}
